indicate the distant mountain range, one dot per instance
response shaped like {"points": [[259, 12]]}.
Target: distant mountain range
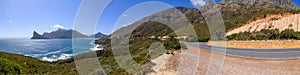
{"points": [[64, 34]]}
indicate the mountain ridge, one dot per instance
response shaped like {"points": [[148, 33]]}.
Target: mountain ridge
{"points": [[234, 14], [64, 34], [289, 4]]}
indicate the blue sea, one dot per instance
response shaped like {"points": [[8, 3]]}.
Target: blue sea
{"points": [[46, 49]]}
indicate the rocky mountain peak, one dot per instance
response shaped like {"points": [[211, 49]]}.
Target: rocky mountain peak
{"points": [[35, 33], [37, 36]]}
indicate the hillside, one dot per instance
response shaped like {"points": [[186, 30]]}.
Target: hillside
{"points": [[234, 13], [15, 64], [63, 34], [277, 21]]}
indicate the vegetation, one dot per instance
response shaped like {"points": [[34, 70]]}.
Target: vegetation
{"points": [[172, 43], [139, 50], [12, 64], [140, 41], [9, 67], [203, 39], [197, 39], [265, 34]]}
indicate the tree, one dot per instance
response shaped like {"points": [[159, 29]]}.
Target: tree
{"points": [[287, 34]]}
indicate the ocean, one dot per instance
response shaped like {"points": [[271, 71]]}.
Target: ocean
{"points": [[46, 49]]}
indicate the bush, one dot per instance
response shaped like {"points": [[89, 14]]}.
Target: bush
{"points": [[287, 34], [8, 67], [266, 34], [203, 39], [172, 44]]}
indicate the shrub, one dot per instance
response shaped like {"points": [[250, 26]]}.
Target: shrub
{"points": [[203, 39], [287, 34], [9, 67], [266, 34]]}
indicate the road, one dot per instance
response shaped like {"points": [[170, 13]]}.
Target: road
{"points": [[250, 53]]}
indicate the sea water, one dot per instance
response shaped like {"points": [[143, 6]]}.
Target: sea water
{"points": [[46, 49]]}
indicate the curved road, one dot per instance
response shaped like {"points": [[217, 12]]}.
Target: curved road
{"points": [[250, 53]]}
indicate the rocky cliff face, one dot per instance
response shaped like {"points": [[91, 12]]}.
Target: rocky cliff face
{"points": [[278, 21], [37, 36]]}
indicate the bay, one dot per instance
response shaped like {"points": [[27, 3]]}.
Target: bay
{"points": [[46, 49]]}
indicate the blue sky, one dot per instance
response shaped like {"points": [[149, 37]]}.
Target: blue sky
{"points": [[19, 18]]}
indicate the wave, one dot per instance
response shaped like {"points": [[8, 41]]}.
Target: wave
{"points": [[50, 53], [61, 54], [96, 48], [61, 57]]}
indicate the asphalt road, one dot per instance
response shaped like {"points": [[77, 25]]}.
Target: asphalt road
{"points": [[250, 53]]}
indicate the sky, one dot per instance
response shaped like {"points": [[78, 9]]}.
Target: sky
{"points": [[19, 18]]}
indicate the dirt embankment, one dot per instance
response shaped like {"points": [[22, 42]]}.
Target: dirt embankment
{"points": [[233, 65], [259, 44], [278, 21]]}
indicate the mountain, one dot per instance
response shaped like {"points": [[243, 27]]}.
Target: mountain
{"points": [[288, 4], [63, 34], [233, 12], [99, 35], [37, 36]]}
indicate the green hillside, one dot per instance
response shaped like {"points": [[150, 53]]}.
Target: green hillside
{"points": [[19, 64]]}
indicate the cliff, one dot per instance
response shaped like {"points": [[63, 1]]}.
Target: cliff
{"points": [[277, 21]]}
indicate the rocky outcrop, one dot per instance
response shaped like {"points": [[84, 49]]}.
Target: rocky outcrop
{"points": [[279, 21], [37, 36]]}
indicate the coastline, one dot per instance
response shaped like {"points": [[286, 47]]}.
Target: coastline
{"points": [[47, 49]]}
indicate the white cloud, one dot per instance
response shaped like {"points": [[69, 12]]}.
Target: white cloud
{"points": [[10, 21], [58, 26], [198, 3], [125, 15]]}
